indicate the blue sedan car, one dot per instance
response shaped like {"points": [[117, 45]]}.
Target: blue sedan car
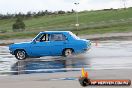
{"points": [[50, 43]]}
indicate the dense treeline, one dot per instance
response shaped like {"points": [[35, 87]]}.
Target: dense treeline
{"points": [[33, 14], [42, 13]]}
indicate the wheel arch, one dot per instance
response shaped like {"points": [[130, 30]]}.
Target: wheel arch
{"points": [[20, 49]]}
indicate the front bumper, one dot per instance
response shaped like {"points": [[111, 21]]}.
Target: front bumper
{"points": [[87, 49]]}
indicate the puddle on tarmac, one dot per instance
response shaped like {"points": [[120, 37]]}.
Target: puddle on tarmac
{"points": [[107, 55]]}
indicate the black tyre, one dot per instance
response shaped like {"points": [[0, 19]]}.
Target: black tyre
{"points": [[67, 52], [20, 54]]}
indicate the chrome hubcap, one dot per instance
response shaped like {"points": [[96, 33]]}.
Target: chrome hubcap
{"points": [[21, 54], [68, 52]]}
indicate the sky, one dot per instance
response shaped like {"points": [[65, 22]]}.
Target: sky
{"points": [[16, 6]]}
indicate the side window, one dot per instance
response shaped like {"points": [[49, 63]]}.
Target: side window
{"points": [[43, 37], [57, 37]]}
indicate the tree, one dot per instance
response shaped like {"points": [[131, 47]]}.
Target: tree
{"points": [[29, 14], [61, 12], [73, 11], [18, 25]]}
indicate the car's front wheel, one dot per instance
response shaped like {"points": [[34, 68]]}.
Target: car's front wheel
{"points": [[20, 54], [67, 52]]}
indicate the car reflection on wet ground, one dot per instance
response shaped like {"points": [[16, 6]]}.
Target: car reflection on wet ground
{"points": [[107, 55]]}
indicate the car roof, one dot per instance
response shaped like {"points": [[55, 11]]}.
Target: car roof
{"points": [[55, 32]]}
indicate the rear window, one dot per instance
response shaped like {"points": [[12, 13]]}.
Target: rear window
{"points": [[57, 37]]}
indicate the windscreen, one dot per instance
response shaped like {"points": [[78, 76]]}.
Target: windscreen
{"points": [[73, 35]]}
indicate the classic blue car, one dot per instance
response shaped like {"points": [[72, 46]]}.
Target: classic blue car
{"points": [[50, 43]]}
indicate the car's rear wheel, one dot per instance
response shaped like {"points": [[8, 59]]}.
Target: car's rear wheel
{"points": [[20, 54], [67, 52]]}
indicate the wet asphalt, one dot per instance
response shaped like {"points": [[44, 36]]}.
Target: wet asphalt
{"points": [[110, 54]]}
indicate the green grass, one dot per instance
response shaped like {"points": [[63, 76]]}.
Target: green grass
{"points": [[91, 22]]}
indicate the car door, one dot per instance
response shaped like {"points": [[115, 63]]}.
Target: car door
{"points": [[41, 46], [58, 43]]}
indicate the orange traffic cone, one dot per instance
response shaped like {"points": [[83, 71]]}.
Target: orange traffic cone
{"points": [[84, 74]]}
